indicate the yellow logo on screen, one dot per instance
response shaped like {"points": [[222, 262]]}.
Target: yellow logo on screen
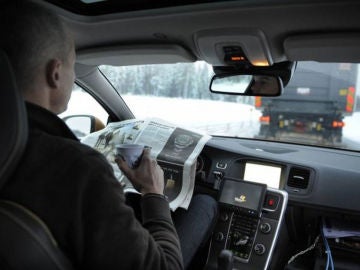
{"points": [[240, 199]]}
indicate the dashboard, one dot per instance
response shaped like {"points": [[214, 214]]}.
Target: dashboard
{"points": [[312, 176], [263, 186]]}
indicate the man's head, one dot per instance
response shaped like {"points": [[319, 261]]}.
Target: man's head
{"points": [[41, 52]]}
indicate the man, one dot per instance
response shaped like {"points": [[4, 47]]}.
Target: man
{"points": [[70, 186]]}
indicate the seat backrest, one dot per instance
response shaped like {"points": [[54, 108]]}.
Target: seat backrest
{"points": [[13, 133], [25, 241]]}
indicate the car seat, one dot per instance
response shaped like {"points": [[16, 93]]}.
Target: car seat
{"points": [[25, 241]]}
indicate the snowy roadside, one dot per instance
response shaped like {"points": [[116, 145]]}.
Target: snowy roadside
{"points": [[211, 117]]}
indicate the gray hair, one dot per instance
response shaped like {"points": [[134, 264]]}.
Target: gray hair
{"points": [[32, 35]]}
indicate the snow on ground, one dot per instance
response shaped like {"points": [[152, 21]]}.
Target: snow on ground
{"points": [[82, 103], [212, 117], [352, 127]]}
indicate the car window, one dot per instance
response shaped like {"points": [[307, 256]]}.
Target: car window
{"points": [[82, 105], [318, 106]]}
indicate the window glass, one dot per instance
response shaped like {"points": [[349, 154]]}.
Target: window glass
{"points": [[82, 103], [317, 107]]}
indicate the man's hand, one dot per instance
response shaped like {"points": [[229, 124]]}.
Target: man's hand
{"points": [[148, 177]]}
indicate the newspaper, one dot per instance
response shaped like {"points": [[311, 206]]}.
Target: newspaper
{"points": [[176, 150]]}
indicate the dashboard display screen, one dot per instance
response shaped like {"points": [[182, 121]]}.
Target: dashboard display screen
{"points": [[246, 196], [265, 174]]}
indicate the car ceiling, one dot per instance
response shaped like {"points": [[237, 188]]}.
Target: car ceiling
{"points": [[99, 7], [267, 31]]}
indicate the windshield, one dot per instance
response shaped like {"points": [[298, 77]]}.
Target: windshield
{"points": [[317, 107]]}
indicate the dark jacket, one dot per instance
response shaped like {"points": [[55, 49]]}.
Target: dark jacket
{"points": [[71, 187]]}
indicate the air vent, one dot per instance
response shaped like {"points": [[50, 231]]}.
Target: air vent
{"points": [[298, 178]]}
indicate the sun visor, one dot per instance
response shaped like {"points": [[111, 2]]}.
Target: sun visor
{"points": [[135, 55], [344, 47], [211, 44]]}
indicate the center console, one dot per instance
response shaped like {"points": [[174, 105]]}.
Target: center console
{"points": [[248, 224]]}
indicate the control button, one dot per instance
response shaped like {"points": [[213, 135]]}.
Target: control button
{"points": [[259, 249], [219, 236], [221, 165], [271, 201], [265, 227]]}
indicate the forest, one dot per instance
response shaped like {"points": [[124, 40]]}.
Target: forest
{"points": [[181, 80]]}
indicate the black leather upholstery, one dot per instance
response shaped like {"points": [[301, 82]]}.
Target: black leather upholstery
{"points": [[25, 241], [13, 132]]}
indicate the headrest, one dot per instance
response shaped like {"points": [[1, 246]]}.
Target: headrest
{"points": [[13, 120]]}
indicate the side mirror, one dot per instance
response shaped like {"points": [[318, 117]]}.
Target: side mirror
{"points": [[246, 84], [83, 125]]}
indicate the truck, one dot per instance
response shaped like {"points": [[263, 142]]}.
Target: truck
{"points": [[312, 106]]}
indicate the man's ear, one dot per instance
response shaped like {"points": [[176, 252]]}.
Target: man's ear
{"points": [[53, 69]]}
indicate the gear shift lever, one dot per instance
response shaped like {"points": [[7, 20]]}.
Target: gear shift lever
{"points": [[225, 260]]}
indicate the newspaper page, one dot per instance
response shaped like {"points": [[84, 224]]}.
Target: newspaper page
{"points": [[176, 150]]}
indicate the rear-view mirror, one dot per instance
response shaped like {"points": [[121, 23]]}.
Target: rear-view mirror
{"points": [[246, 84]]}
